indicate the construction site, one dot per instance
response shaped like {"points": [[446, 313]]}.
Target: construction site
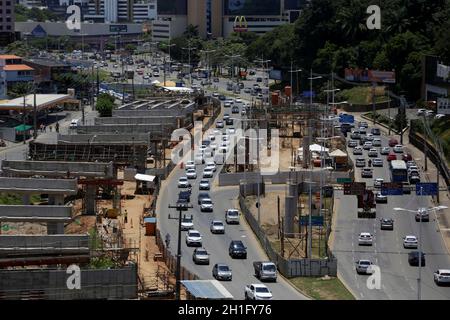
{"points": [[89, 200]]}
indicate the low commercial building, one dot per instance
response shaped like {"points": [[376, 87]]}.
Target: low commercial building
{"points": [[13, 70], [96, 35], [45, 71]]}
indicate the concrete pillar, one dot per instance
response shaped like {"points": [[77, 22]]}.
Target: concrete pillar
{"points": [[55, 228], [90, 200], [26, 199], [289, 214]]}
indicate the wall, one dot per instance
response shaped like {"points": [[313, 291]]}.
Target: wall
{"points": [[8, 134], [231, 179], [293, 267], [51, 284]]}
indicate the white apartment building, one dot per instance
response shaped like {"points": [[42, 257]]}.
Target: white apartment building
{"points": [[114, 11]]}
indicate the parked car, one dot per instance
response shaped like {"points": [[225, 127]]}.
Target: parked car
{"points": [[410, 242], [257, 291], [200, 256], [386, 224], [193, 238], [222, 271], [217, 226], [442, 276], [365, 239], [414, 256], [237, 249], [364, 267]]}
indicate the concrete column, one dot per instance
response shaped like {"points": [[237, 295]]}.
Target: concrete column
{"points": [[90, 199], [26, 199]]}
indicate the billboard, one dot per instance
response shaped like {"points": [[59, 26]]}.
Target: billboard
{"points": [[118, 28], [275, 75], [172, 7], [366, 75], [443, 105], [251, 7]]}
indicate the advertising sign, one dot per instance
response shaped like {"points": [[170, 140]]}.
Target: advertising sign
{"points": [[251, 7], [391, 188], [366, 75], [240, 24], [426, 189], [354, 188], [315, 220], [275, 75], [443, 105], [118, 28]]}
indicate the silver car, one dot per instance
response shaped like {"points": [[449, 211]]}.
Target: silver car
{"points": [[217, 226], [200, 256], [222, 272], [410, 242]]}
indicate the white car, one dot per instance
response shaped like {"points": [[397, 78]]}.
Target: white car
{"points": [[420, 112], [204, 185], [257, 291], [208, 173], [373, 152], [362, 130], [367, 145], [187, 223], [439, 116], [357, 151], [211, 165], [365, 238], [238, 101], [193, 238], [232, 216], [74, 123], [183, 182], [231, 131], [364, 266], [377, 182], [217, 226], [410, 242], [377, 162], [398, 148], [198, 158], [191, 174], [442, 276], [213, 146], [376, 142], [190, 165], [385, 150], [206, 205]]}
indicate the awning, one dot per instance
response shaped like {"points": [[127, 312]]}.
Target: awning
{"points": [[207, 289], [144, 177], [22, 128], [338, 153]]}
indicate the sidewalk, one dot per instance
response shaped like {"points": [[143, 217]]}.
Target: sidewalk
{"points": [[430, 175]]}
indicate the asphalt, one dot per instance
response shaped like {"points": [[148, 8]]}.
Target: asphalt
{"points": [[217, 245], [398, 278]]}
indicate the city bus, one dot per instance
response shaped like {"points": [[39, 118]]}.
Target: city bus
{"points": [[399, 171]]}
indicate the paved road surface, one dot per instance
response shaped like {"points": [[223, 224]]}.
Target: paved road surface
{"points": [[398, 278]]}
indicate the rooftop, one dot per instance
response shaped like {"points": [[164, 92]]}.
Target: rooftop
{"points": [[47, 62], [9, 56], [157, 104], [42, 101], [17, 67]]}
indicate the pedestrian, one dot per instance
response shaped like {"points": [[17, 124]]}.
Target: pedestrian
{"points": [[125, 216], [50, 127], [45, 128], [57, 127]]}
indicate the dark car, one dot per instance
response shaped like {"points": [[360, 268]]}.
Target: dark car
{"points": [[393, 142], [258, 79], [386, 224], [235, 109], [222, 97], [414, 179], [391, 156], [407, 157], [413, 258], [375, 131], [229, 122], [203, 195], [237, 249]]}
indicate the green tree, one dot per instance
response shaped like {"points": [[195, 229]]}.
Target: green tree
{"points": [[20, 89], [105, 105]]}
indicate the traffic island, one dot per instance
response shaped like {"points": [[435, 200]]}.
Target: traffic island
{"points": [[322, 288]]}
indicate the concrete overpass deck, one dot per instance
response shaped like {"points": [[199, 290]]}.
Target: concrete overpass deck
{"points": [[10, 213], [42, 186]]}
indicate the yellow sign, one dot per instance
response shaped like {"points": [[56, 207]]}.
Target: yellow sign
{"points": [[240, 24]]}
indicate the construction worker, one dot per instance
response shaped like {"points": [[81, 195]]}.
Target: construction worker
{"points": [[125, 216]]}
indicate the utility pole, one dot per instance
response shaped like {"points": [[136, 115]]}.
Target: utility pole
{"points": [[189, 61], [178, 270], [34, 115]]}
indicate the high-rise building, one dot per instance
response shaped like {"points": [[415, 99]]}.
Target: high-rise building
{"points": [[219, 18], [7, 18], [121, 10]]}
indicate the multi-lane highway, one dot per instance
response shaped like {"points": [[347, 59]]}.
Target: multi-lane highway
{"points": [[398, 278], [216, 245]]}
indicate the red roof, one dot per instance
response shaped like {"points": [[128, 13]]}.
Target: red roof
{"points": [[9, 56], [17, 67]]}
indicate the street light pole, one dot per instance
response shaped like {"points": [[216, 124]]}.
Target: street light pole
{"points": [[178, 270]]}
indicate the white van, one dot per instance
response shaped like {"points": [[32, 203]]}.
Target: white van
{"points": [[74, 123]]}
